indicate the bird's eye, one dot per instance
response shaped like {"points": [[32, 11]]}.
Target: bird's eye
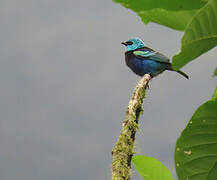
{"points": [[129, 42]]}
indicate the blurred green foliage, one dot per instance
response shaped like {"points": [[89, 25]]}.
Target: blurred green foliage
{"points": [[200, 35], [150, 168], [196, 148]]}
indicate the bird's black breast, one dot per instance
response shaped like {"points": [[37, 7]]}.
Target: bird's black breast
{"points": [[129, 57]]}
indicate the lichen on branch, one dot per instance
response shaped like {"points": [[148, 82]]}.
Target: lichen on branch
{"points": [[124, 148]]}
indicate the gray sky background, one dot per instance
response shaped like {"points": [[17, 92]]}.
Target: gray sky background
{"points": [[64, 89]]}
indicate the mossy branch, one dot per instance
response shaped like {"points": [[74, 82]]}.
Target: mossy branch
{"points": [[124, 148]]}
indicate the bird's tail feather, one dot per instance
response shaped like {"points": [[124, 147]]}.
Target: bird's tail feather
{"points": [[180, 72]]}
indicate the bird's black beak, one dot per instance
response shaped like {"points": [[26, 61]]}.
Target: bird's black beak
{"points": [[124, 43]]}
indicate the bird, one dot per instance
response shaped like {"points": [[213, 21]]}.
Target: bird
{"points": [[143, 60]]}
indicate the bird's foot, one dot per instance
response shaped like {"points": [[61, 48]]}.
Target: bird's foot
{"points": [[147, 86]]}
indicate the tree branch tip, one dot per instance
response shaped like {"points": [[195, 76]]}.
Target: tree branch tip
{"points": [[123, 150]]}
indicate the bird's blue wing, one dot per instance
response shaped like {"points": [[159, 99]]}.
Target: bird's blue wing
{"points": [[152, 55]]}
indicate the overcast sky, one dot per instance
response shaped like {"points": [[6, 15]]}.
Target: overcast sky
{"points": [[65, 86]]}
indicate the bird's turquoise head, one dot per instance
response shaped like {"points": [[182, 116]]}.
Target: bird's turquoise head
{"points": [[133, 43]]}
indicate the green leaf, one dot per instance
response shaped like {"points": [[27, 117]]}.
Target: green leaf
{"points": [[175, 14], [174, 19], [196, 148], [200, 35], [150, 168], [214, 96], [174, 5], [215, 72]]}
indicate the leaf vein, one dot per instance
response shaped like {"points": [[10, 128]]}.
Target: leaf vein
{"points": [[200, 157]]}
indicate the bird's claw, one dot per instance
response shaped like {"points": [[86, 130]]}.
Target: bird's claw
{"points": [[147, 85]]}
